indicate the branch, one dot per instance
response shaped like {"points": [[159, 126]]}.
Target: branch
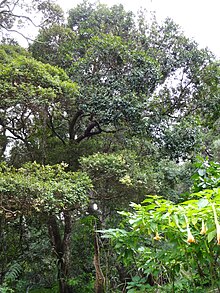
{"points": [[51, 126], [73, 123], [100, 279], [9, 211], [20, 16], [17, 32], [15, 135], [67, 231], [89, 131], [16, 2], [19, 137], [2, 2]]}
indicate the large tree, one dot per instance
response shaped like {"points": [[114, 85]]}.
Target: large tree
{"points": [[139, 76]]}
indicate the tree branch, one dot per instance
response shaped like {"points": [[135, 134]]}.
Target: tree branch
{"points": [[89, 132], [20, 16], [73, 123], [2, 2], [17, 32], [51, 126]]}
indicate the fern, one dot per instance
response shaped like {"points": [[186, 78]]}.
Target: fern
{"points": [[13, 273]]}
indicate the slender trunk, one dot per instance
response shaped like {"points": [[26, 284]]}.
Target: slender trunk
{"points": [[100, 279], [61, 247]]}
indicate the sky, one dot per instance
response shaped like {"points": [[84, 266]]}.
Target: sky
{"points": [[199, 19]]}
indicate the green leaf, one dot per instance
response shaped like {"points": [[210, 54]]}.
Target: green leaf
{"points": [[211, 235]]}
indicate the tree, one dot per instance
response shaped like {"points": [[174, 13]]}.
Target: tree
{"points": [[126, 73], [102, 107], [49, 193], [16, 14], [104, 20], [33, 97], [116, 178]]}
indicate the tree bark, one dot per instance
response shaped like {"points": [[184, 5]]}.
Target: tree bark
{"points": [[100, 279], [61, 247]]}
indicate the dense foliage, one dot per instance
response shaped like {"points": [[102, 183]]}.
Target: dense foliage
{"points": [[102, 109], [173, 245]]}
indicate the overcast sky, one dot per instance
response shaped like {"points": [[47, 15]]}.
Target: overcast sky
{"points": [[199, 19]]}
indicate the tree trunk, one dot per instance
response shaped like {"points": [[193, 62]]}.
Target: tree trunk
{"points": [[100, 279], [64, 287], [62, 248]]}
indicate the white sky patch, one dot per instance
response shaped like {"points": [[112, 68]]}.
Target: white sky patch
{"points": [[95, 207]]}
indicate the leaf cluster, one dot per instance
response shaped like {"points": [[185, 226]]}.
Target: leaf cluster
{"points": [[35, 188], [168, 241]]}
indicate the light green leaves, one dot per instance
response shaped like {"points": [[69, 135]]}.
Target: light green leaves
{"points": [[34, 101], [36, 188], [173, 237], [203, 202]]}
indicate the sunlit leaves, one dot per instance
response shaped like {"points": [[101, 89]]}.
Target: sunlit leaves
{"points": [[25, 76], [119, 176], [186, 233], [35, 188], [34, 96]]}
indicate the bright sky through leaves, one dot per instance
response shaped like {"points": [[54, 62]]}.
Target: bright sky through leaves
{"points": [[198, 18]]}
